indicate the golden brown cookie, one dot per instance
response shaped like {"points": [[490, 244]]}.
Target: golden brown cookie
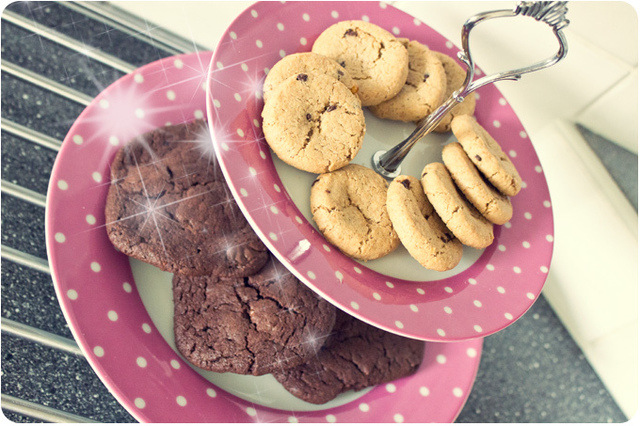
{"points": [[374, 58], [349, 207], [491, 203], [423, 91], [455, 79], [305, 62], [314, 123], [483, 150], [462, 219], [419, 227]]}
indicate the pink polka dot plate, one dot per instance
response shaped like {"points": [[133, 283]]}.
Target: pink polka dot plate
{"points": [[120, 311], [486, 292]]}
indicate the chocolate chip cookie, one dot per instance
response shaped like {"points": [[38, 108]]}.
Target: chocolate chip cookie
{"points": [[491, 203], [419, 227], [423, 91], [374, 58], [485, 152], [462, 219], [349, 207], [313, 122], [305, 62]]}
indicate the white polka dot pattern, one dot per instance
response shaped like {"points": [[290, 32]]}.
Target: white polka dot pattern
{"points": [[109, 301], [99, 293], [504, 264]]}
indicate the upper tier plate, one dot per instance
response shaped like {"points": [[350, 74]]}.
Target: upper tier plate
{"points": [[486, 292]]}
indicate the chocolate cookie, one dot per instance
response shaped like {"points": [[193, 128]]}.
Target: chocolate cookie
{"points": [[305, 62], [423, 91], [419, 227], [255, 325], [491, 203], [374, 58], [354, 357], [349, 207], [487, 154], [462, 219], [169, 205], [313, 123]]}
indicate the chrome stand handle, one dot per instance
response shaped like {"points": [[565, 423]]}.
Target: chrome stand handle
{"points": [[387, 163]]}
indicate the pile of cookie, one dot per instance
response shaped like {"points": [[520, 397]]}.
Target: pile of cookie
{"points": [[313, 120], [236, 308]]}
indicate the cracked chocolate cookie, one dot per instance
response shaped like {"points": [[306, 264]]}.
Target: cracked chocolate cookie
{"points": [[487, 155], [462, 219], [259, 324], [313, 122], [491, 203], [305, 62], [423, 91], [455, 79], [349, 207], [374, 58], [419, 227], [355, 356], [168, 205]]}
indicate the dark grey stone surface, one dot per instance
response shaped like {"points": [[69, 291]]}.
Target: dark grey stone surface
{"points": [[533, 371], [19, 161], [23, 226], [55, 62], [28, 297], [56, 379], [92, 33], [36, 108], [529, 372]]}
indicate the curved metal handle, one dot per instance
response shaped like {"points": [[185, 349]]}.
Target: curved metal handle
{"points": [[552, 13], [387, 163]]}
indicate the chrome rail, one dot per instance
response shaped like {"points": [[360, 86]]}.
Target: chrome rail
{"points": [[30, 135], [67, 42], [39, 411], [45, 338], [45, 83], [25, 259], [134, 26], [22, 193], [130, 25]]}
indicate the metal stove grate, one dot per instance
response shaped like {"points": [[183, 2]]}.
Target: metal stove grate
{"points": [[80, 48]]}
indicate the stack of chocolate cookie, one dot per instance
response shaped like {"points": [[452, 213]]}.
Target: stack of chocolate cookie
{"points": [[236, 308]]}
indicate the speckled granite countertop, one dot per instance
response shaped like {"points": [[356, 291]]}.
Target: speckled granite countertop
{"points": [[530, 372]]}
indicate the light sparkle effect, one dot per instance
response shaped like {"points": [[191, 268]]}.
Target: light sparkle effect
{"points": [[126, 111], [236, 132], [154, 211], [311, 341], [249, 96]]}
